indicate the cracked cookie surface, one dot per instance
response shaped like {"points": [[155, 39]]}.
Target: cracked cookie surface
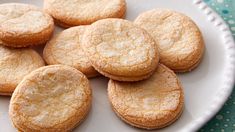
{"points": [[179, 39], [120, 50], [22, 25], [51, 98], [14, 65], [65, 48], [153, 103], [69, 13]]}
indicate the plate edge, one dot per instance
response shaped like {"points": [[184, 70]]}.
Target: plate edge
{"points": [[229, 77]]}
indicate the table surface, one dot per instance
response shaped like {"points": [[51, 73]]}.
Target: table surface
{"points": [[224, 121]]}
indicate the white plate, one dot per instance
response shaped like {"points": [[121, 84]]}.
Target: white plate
{"points": [[206, 88]]}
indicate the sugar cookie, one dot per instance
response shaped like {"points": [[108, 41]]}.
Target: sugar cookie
{"points": [[53, 98], [65, 49], [120, 50], [14, 65], [22, 25], [150, 104], [179, 39], [69, 13]]}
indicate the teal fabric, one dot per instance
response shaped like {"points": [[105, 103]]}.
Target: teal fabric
{"points": [[224, 121]]}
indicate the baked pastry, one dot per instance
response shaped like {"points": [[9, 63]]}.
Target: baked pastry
{"points": [[23, 25], [180, 41], [150, 104], [65, 49], [53, 98], [14, 65], [120, 50], [69, 13]]}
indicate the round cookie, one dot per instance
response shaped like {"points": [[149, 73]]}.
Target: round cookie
{"points": [[69, 13], [179, 39], [120, 50], [150, 104], [14, 65], [65, 49], [22, 25], [53, 98]]}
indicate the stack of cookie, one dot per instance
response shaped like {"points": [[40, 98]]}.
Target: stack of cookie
{"points": [[139, 57]]}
